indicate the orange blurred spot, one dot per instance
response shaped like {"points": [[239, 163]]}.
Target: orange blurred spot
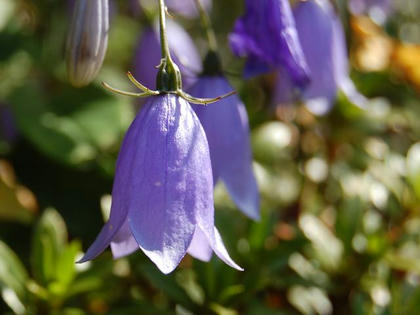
{"points": [[372, 47], [406, 62], [284, 231]]}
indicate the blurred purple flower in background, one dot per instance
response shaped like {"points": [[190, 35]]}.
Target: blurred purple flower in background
{"points": [[323, 43], [227, 131], [87, 40], [186, 8], [267, 36], [378, 10], [183, 51], [8, 131], [163, 189]]}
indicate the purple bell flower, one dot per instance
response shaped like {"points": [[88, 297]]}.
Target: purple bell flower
{"points": [[163, 189], [183, 51], [323, 42], [267, 36], [378, 10], [227, 129]]}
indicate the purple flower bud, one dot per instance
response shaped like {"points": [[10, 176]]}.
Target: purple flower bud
{"points": [[183, 51], [87, 40], [323, 43], [227, 130], [267, 36], [163, 189], [378, 10]]}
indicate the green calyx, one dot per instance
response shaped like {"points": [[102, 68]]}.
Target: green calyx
{"points": [[169, 77], [212, 66]]}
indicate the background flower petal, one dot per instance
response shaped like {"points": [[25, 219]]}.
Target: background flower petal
{"points": [[227, 130], [183, 50]]}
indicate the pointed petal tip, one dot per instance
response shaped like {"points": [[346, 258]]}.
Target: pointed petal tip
{"points": [[255, 215], [82, 260], [221, 251], [166, 262]]}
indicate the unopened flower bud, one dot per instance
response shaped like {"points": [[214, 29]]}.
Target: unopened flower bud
{"points": [[87, 40]]}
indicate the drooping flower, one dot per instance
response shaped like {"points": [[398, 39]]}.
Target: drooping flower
{"points": [[163, 189], [87, 40], [267, 36], [183, 51], [323, 42], [378, 10], [227, 130]]}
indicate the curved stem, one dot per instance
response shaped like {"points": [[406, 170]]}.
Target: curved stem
{"points": [[205, 21]]}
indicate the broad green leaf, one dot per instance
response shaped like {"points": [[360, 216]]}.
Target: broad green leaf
{"points": [[65, 268], [50, 238], [167, 284], [73, 126], [13, 277]]}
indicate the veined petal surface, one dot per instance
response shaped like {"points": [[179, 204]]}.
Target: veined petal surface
{"points": [[173, 180]]}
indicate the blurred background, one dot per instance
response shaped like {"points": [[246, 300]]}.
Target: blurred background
{"points": [[340, 226]]}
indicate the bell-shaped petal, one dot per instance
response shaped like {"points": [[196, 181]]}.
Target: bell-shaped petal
{"points": [[378, 10], [323, 43], [267, 36], [200, 247], [163, 185], [87, 40], [227, 130], [183, 51]]}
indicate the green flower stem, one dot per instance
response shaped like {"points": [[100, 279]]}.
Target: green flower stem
{"points": [[169, 76], [163, 39], [205, 21], [212, 66]]}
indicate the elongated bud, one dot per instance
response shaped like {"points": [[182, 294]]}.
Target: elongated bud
{"points": [[87, 40]]}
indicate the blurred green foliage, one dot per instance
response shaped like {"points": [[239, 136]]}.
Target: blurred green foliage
{"points": [[340, 226]]}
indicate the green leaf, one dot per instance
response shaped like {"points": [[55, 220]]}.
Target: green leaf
{"points": [[73, 126], [50, 238], [66, 268], [413, 168], [13, 276], [168, 285]]}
